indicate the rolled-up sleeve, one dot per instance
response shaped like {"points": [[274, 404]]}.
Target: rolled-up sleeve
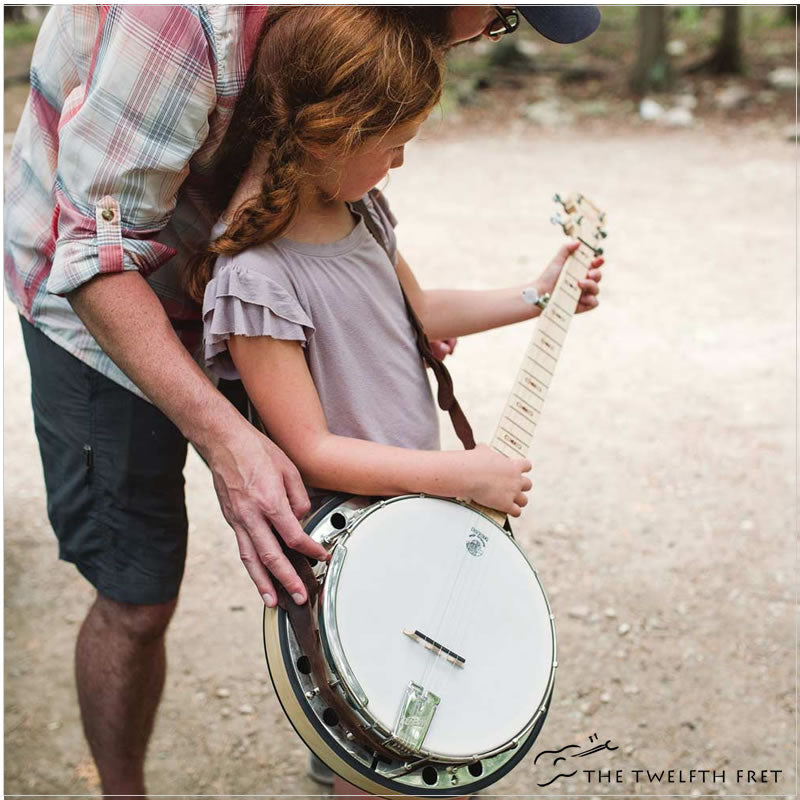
{"points": [[126, 137]]}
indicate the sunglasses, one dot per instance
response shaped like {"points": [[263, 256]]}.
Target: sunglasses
{"points": [[507, 22]]}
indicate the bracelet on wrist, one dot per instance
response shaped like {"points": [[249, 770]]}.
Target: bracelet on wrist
{"points": [[532, 297]]}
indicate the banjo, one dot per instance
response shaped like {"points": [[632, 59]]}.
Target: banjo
{"points": [[397, 671]]}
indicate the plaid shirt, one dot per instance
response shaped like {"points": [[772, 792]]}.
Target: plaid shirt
{"points": [[113, 153]]}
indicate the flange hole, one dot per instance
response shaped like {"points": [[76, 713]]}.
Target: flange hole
{"points": [[430, 775], [330, 717]]}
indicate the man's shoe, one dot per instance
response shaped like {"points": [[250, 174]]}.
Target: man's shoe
{"points": [[319, 771]]}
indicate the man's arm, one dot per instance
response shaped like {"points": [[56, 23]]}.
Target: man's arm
{"points": [[126, 138], [256, 483]]}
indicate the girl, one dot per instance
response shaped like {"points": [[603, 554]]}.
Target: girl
{"points": [[304, 304]]}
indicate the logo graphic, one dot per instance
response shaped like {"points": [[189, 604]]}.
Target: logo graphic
{"points": [[476, 543]]}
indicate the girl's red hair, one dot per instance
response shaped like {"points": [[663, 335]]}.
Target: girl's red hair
{"points": [[322, 76]]}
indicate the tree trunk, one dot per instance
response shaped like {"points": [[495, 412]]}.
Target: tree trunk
{"points": [[652, 70], [727, 58]]}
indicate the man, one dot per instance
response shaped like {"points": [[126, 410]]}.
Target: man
{"points": [[105, 198]]}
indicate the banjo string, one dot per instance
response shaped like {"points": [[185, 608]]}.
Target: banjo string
{"points": [[438, 624], [462, 591]]}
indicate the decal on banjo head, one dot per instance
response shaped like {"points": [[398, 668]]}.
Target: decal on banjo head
{"points": [[476, 543]]}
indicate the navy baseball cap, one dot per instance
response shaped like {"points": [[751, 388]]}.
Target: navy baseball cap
{"points": [[563, 24]]}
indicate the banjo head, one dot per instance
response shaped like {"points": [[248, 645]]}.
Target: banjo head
{"points": [[436, 630], [431, 593]]}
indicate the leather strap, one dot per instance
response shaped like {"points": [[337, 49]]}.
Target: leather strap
{"points": [[301, 619], [445, 395]]}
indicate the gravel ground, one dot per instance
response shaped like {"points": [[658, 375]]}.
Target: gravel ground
{"points": [[661, 519]]}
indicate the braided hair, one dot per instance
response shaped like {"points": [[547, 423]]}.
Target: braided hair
{"points": [[322, 76]]}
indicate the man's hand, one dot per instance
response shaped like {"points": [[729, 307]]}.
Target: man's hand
{"points": [[589, 286], [261, 494]]}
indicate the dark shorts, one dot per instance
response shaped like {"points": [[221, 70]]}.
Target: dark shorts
{"points": [[113, 468]]}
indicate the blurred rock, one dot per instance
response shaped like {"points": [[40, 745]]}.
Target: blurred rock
{"points": [[529, 48], [678, 118], [594, 108], [790, 133], [784, 78], [731, 97], [677, 47], [548, 113], [686, 101], [650, 110], [610, 613], [246, 709], [223, 692], [624, 629], [767, 96], [581, 612]]}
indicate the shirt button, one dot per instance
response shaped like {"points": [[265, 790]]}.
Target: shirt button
{"points": [[107, 214]]}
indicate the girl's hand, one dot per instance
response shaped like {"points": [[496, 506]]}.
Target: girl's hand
{"points": [[495, 481], [589, 286], [443, 347]]}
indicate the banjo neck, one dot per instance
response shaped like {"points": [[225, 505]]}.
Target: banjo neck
{"points": [[515, 431]]}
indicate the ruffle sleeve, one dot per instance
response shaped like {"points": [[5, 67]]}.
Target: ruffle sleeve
{"points": [[239, 302]]}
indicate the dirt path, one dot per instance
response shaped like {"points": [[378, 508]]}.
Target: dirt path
{"points": [[661, 519]]}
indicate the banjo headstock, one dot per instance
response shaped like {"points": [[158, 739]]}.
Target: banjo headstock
{"points": [[582, 220]]}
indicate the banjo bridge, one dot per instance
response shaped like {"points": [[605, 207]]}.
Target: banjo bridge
{"points": [[434, 646]]}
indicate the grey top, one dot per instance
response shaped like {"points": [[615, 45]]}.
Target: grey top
{"points": [[343, 303]]}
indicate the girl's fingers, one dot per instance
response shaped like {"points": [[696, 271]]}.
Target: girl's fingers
{"points": [[589, 286]]}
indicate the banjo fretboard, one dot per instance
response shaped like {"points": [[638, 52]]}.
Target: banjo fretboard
{"points": [[517, 426]]}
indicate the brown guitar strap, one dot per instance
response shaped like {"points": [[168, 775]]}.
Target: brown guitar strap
{"points": [[445, 396], [301, 619]]}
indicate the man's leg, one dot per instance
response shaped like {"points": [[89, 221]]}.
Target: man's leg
{"points": [[113, 469], [120, 665]]}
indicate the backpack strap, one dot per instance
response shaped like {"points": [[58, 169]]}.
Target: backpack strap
{"points": [[445, 396]]}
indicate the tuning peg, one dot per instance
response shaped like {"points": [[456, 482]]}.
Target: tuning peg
{"points": [[567, 224], [598, 251], [602, 233]]}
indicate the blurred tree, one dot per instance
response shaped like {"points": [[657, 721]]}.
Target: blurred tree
{"points": [[13, 13], [652, 69], [727, 57]]}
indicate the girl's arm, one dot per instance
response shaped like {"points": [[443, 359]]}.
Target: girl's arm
{"points": [[277, 380], [449, 313]]}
